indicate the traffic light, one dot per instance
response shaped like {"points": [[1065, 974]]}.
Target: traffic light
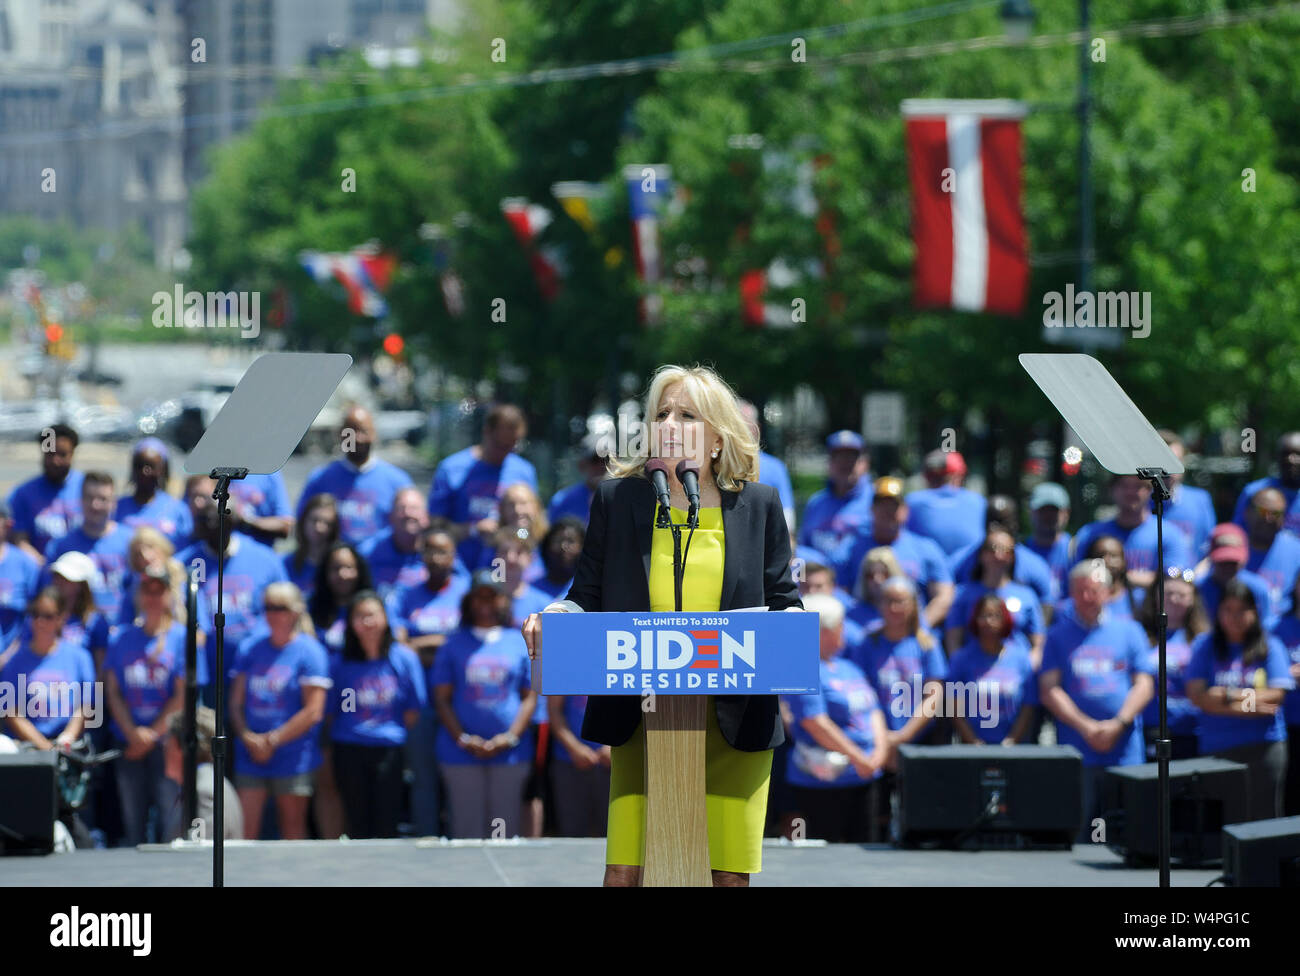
{"points": [[394, 344]]}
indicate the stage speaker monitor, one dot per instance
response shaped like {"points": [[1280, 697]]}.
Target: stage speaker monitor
{"points": [[1204, 795], [990, 796], [28, 802], [1263, 853]]}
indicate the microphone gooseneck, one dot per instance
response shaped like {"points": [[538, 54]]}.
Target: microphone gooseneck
{"points": [[657, 469], [688, 473]]}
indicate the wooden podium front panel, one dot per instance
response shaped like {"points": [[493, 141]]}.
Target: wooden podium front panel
{"points": [[677, 825]]}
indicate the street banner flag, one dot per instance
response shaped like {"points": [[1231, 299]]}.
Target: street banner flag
{"points": [[649, 189], [364, 272], [575, 197], [964, 163], [528, 220]]}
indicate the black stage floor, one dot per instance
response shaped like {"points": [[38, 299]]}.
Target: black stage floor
{"points": [[563, 862]]}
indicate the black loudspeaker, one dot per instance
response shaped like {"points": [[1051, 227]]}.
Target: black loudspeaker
{"points": [[990, 796], [1204, 795], [1263, 853], [29, 802]]}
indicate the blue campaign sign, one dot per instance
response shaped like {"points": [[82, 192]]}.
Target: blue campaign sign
{"points": [[728, 652]]}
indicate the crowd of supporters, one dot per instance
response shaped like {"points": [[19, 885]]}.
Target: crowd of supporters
{"points": [[378, 683]]}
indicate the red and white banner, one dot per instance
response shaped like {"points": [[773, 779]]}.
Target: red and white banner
{"points": [[964, 163], [528, 220]]}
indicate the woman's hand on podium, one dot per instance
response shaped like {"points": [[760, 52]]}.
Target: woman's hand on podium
{"points": [[532, 629]]}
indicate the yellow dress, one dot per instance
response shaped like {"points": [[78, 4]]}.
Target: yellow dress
{"points": [[736, 782]]}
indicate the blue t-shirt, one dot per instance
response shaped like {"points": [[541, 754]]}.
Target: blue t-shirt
{"points": [[772, 471], [1057, 557], [1030, 569], [364, 496], [423, 612], [334, 635], [1122, 607], [19, 573], [1218, 732], [264, 496], [1004, 683], [1277, 566], [489, 678], [108, 553], [1098, 666], [830, 521], [147, 669], [369, 699], [951, 516], [466, 490], [1139, 544], [1192, 510], [45, 510], [390, 568], [1182, 715], [532, 600], [1212, 592], [574, 499], [919, 557], [1287, 630], [273, 693], [849, 701], [1021, 601], [575, 707], [555, 590], [303, 578], [166, 513], [55, 686], [1292, 497], [248, 572], [898, 670]]}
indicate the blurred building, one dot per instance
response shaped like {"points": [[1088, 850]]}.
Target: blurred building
{"points": [[124, 99]]}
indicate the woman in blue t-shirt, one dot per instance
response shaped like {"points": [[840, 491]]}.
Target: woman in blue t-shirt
{"points": [[579, 771], [1187, 621], [991, 678], [277, 703], [1239, 677], [1287, 630], [314, 532], [993, 573], [72, 575], [144, 679], [482, 688], [58, 675], [841, 740], [342, 574], [376, 693]]}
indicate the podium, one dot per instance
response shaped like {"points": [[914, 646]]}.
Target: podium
{"points": [[673, 662]]}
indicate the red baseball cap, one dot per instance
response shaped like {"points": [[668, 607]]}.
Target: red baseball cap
{"points": [[1228, 544]]}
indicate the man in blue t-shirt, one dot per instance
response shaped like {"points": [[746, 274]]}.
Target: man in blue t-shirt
{"points": [[842, 509], [46, 507], [1135, 526], [921, 559], [19, 574], [1096, 680], [1274, 552], [363, 485], [105, 541], [249, 568], [771, 469], [1190, 508], [575, 499], [1287, 455], [1049, 509], [394, 555], [263, 511], [946, 512], [467, 486]]}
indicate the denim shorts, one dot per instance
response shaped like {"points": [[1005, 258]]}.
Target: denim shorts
{"points": [[301, 784]]}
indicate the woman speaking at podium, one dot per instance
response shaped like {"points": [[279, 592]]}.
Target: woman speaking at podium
{"points": [[739, 557]]}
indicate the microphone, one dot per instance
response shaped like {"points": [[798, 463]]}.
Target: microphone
{"points": [[657, 469], [688, 473]]}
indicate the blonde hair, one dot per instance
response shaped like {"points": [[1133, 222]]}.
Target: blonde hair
{"points": [[880, 554], [289, 594], [148, 535], [717, 404], [540, 524], [177, 579], [907, 587]]}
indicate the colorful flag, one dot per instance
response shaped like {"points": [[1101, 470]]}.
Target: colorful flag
{"points": [[575, 197], [528, 220], [964, 163], [365, 273], [648, 189]]}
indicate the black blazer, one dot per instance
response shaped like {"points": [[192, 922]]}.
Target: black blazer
{"points": [[613, 574]]}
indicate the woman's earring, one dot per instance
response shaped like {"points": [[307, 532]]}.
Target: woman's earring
{"points": [[715, 454]]}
